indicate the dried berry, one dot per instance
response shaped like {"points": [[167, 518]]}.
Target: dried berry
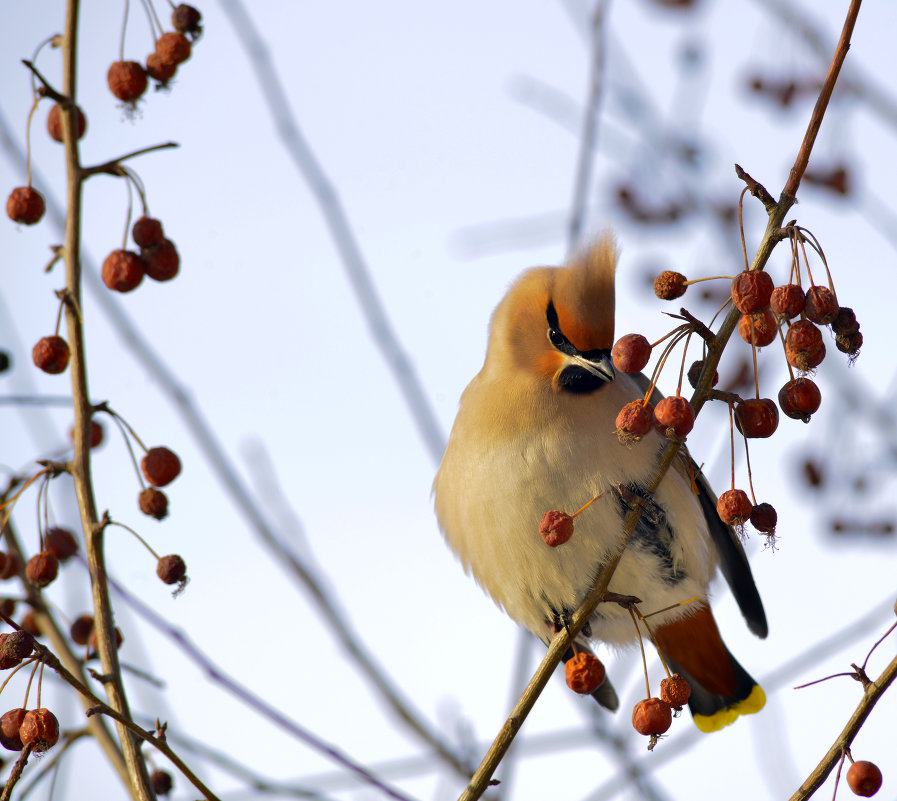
{"points": [[51, 354], [670, 285], [16, 646], [42, 569], [153, 502], [864, 778], [845, 322], [172, 569], [81, 629], [760, 328], [147, 232], [652, 716], [694, 372], [127, 80], [160, 466], [54, 122], [821, 306], [123, 270], [631, 353], [92, 639], [61, 543], [159, 69], [25, 205], [173, 48], [804, 347], [40, 729], [10, 722], [734, 507], [186, 19], [751, 291], [584, 673], [676, 413], [764, 518], [29, 623], [161, 781], [556, 527], [849, 343], [161, 261], [757, 417], [96, 434], [675, 690], [12, 566], [800, 398], [787, 301], [635, 420]]}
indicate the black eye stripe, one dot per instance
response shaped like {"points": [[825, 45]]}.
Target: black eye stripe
{"points": [[555, 335]]}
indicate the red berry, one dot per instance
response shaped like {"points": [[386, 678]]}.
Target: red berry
{"points": [[171, 569], [800, 398], [25, 205], [675, 690], [635, 420], [161, 781], [584, 673], [42, 569], [39, 728], [81, 629], [153, 502], [734, 507], [173, 48], [10, 722], [761, 326], [54, 122], [864, 778], [757, 418], [96, 434], [676, 413], [160, 466], [787, 301], [804, 348], [147, 232], [751, 291], [51, 354], [670, 285], [161, 260], [764, 518], [159, 69], [652, 716], [123, 270], [631, 353], [556, 528], [61, 543], [127, 80], [821, 306]]}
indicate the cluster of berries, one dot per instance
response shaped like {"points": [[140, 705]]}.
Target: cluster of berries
{"points": [[123, 270], [128, 80]]}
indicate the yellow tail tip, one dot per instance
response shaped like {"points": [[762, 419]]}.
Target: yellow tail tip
{"points": [[753, 703]]}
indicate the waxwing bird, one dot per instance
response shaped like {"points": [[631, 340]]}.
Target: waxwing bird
{"points": [[536, 431]]}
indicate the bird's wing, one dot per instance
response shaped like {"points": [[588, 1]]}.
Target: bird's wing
{"points": [[733, 560]]}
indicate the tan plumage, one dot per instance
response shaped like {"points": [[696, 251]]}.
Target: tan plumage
{"points": [[535, 431]]}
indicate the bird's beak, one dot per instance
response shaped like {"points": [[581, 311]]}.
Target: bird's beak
{"points": [[597, 362]]}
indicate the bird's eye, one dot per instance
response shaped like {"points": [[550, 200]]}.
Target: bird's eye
{"points": [[556, 338]]}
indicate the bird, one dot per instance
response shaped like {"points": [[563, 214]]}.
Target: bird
{"points": [[535, 431]]}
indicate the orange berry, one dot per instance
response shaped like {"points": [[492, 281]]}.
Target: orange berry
{"points": [[25, 205], [757, 418], [127, 80], [670, 285], [635, 420], [676, 413], [556, 527], [173, 48], [652, 716], [153, 502], [171, 569], [631, 353], [734, 507], [159, 69], [787, 301], [864, 778], [800, 398], [821, 306], [751, 291], [42, 569], [60, 542], [761, 325], [675, 690], [39, 728], [123, 270], [147, 232], [584, 673], [54, 122], [10, 722], [804, 348], [160, 466], [51, 354]]}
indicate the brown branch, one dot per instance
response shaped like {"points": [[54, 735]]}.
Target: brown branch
{"points": [[871, 695], [113, 166], [16, 772], [48, 90], [756, 188]]}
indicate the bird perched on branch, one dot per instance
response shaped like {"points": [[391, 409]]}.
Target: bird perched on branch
{"points": [[535, 431]]}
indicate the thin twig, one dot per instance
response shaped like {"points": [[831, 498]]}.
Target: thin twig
{"points": [[113, 166]]}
